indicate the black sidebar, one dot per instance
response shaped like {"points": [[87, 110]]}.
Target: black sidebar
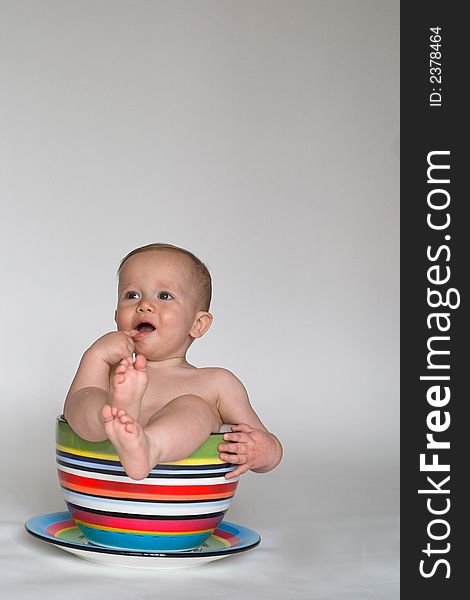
{"points": [[435, 336]]}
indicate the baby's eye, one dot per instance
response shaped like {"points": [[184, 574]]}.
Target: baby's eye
{"points": [[132, 295], [165, 296]]}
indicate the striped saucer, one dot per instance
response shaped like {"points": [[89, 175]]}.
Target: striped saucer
{"points": [[60, 530]]}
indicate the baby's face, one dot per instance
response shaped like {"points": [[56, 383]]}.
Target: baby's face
{"points": [[156, 297]]}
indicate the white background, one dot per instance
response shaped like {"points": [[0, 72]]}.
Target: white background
{"points": [[263, 136]]}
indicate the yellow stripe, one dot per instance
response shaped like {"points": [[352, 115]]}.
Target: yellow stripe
{"points": [[225, 542], [185, 461], [137, 531], [87, 453], [196, 461], [61, 531]]}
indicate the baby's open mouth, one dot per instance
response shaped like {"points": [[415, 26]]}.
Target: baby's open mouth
{"points": [[145, 328]]}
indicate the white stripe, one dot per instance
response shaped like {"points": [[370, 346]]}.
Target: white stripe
{"points": [[105, 467], [147, 508], [148, 480]]}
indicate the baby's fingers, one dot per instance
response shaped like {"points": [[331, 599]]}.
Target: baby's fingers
{"points": [[242, 427], [238, 471], [235, 448], [130, 332], [237, 437], [236, 459]]}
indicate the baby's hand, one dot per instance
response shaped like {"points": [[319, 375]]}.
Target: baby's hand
{"points": [[251, 449], [114, 346]]}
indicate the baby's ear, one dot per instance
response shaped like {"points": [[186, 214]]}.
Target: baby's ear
{"points": [[201, 324]]}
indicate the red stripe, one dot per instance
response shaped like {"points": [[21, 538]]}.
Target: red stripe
{"points": [[102, 487], [155, 525], [233, 539], [55, 527]]}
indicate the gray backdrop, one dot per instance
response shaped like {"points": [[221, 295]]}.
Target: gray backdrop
{"points": [[263, 136]]}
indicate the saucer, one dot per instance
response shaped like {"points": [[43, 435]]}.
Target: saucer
{"points": [[60, 530]]}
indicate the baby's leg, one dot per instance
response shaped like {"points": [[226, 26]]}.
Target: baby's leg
{"points": [[173, 433], [128, 384], [129, 439]]}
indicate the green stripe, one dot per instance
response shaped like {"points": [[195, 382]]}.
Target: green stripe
{"points": [[65, 436]]}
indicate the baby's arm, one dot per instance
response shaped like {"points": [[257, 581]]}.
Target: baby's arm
{"points": [[89, 391], [251, 445]]}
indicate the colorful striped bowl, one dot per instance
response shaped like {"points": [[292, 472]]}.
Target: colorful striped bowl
{"points": [[176, 507]]}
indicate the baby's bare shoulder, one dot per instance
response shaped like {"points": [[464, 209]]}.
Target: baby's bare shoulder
{"points": [[222, 379], [217, 373]]}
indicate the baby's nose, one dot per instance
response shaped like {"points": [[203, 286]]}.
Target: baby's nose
{"points": [[145, 306]]}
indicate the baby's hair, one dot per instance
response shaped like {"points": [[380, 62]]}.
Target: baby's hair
{"points": [[201, 275]]}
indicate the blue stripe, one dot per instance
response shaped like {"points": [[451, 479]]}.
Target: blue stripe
{"points": [[149, 543], [119, 470], [114, 464]]}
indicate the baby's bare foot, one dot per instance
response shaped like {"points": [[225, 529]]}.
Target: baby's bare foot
{"points": [[130, 441], [128, 385]]}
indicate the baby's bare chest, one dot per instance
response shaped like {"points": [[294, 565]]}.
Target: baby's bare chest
{"points": [[163, 388]]}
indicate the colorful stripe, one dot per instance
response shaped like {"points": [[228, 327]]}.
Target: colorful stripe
{"points": [[146, 507], [227, 538], [116, 468], [114, 457], [161, 480], [68, 441], [57, 529], [125, 489], [220, 539], [145, 526], [81, 523], [143, 543]]}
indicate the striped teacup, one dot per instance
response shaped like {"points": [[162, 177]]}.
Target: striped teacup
{"points": [[176, 507]]}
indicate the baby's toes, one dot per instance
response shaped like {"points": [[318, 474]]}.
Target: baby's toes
{"points": [[107, 412], [120, 374], [131, 427], [124, 417], [120, 369]]}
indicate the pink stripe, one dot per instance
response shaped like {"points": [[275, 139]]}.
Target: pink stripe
{"points": [[146, 524], [56, 527], [233, 539]]}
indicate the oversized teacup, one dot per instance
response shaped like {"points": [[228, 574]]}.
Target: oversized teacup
{"points": [[176, 507]]}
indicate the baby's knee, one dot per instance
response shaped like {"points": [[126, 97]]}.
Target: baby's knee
{"points": [[203, 408]]}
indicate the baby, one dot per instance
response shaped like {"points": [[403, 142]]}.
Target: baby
{"points": [[159, 408]]}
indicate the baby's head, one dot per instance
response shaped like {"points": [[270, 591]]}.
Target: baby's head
{"points": [[164, 293], [200, 277]]}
